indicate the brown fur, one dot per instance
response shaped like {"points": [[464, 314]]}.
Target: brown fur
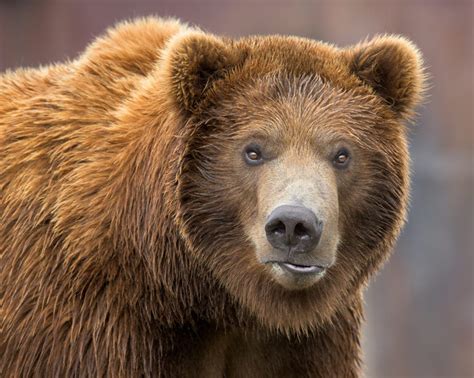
{"points": [[123, 213]]}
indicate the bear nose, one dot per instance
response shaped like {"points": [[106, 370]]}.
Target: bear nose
{"points": [[293, 226]]}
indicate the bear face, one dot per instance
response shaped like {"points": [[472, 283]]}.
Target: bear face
{"points": [[294, 181]]}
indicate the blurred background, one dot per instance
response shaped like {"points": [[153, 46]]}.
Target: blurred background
{"points": [[420, 308]]}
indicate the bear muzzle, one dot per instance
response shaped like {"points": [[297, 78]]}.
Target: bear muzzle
{"points": [[294, 232]]}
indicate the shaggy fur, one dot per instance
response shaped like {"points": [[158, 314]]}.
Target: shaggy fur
{"points": [[122, 242]]}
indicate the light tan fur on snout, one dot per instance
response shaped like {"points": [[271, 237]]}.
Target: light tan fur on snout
{"points": [[301, 177]]}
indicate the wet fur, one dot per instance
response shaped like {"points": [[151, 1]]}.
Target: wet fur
{"points": [[122, 243]]}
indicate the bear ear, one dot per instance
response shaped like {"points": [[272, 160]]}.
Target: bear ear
{"points": [[392, 66], [195, 61]]}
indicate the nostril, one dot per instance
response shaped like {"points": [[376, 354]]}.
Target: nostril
{"points": [[301, 231], [278, 228]]}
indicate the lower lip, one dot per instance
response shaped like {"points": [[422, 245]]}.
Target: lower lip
{"points": [[303, 269]]}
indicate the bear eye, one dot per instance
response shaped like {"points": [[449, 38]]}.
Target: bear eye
{"points": [[253, 154], [342, 158]]}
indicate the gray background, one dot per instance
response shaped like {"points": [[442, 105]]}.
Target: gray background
{"points": [[420, 308]]}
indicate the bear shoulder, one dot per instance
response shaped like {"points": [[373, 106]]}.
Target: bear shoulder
{"points": [[132, 46]]}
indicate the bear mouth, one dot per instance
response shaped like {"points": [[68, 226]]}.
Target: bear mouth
{"points": [[299, 269], [297, 276], [302, 269]]}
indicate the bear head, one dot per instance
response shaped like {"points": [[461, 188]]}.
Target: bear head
{"points": [[294, 176]]}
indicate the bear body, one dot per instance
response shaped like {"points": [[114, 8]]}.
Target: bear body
{"points": [[132, 225]]}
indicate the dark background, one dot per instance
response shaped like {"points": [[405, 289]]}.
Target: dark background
{"points": [[420, 308]]}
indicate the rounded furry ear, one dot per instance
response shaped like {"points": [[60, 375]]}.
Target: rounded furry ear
{"points": [[392, 67], [195, 60]]}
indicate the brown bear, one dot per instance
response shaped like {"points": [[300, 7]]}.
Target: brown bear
{"points": [[176, 204]]}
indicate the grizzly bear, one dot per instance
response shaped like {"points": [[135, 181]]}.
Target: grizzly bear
{"points": [[177, 204]]}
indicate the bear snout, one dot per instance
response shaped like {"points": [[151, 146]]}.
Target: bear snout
{"points": [[298, 256]]}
